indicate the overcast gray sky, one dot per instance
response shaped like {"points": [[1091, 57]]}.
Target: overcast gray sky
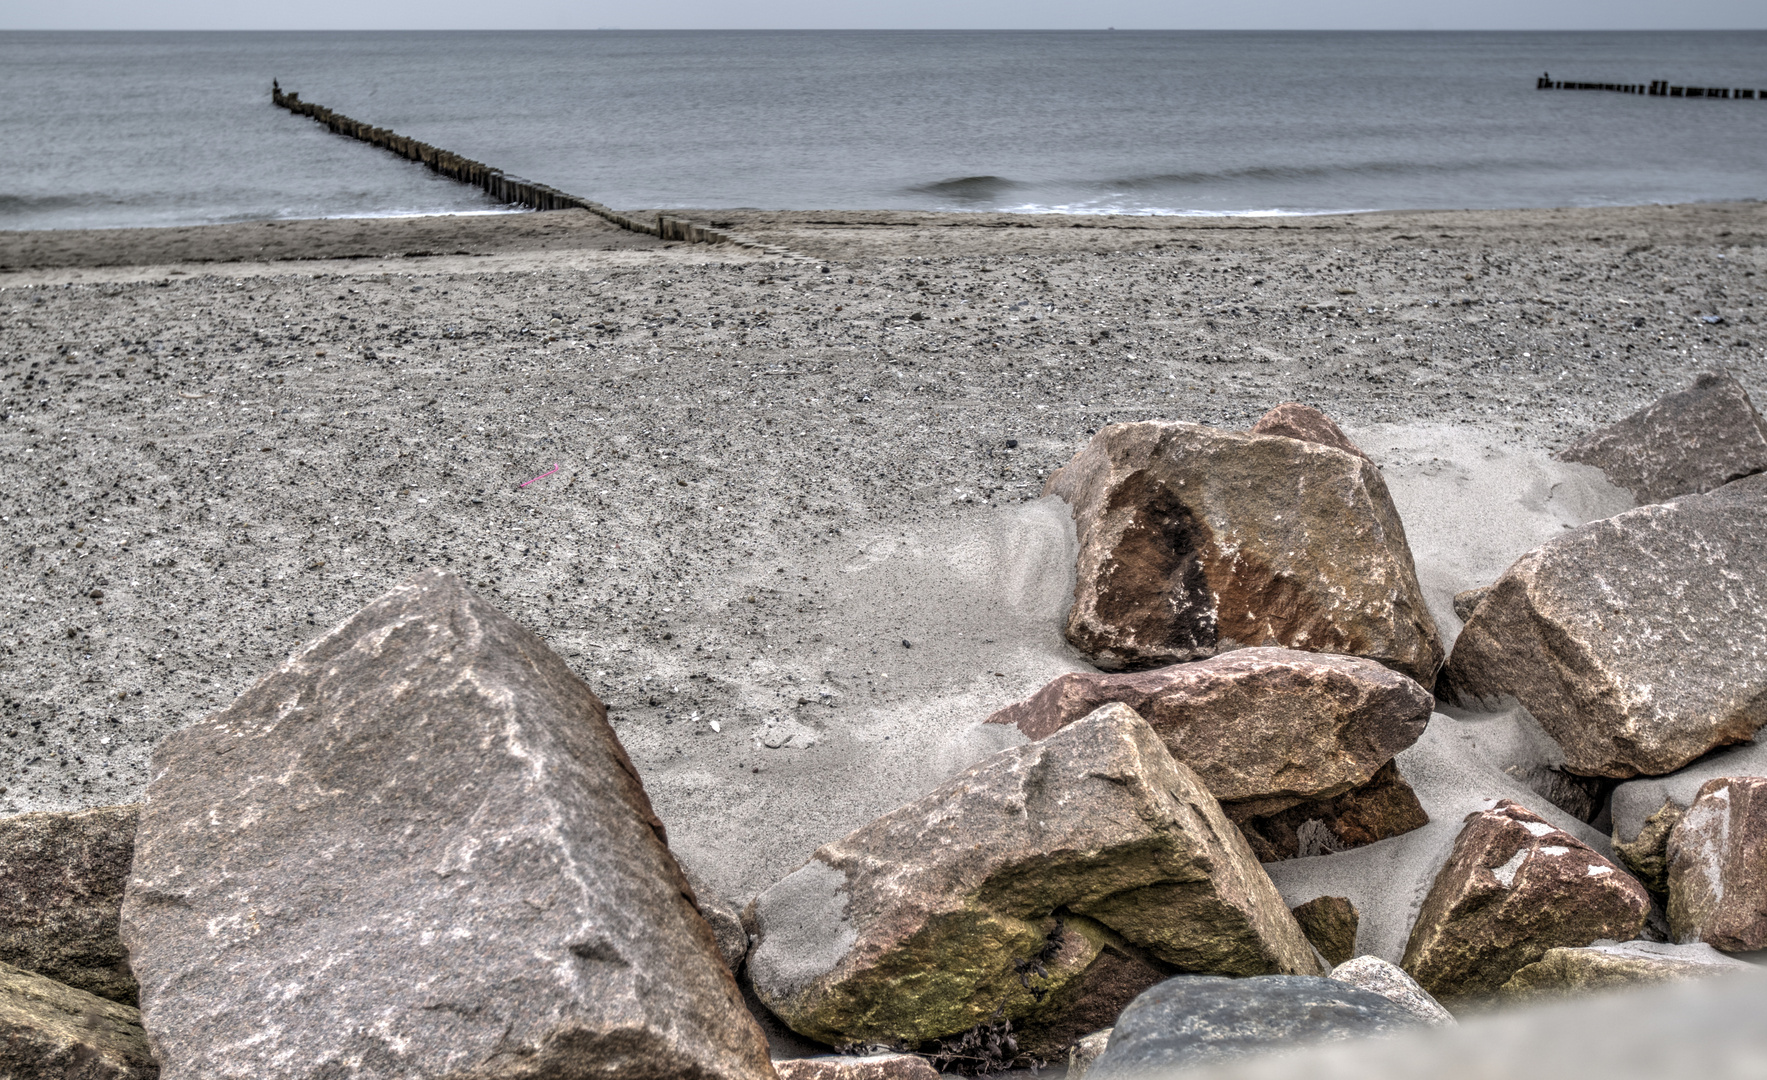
{"points": [[886, 14]]}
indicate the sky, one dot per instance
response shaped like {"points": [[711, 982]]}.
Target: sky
{"points": [[885, 14]]}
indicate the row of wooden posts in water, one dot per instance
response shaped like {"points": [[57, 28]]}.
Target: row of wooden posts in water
{"points": [[504, 187], [1655, 88]]}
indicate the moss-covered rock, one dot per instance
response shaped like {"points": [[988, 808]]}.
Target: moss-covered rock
{"points": [[1647, 854], [1564, 973], [996, 897], [50, 1029]]}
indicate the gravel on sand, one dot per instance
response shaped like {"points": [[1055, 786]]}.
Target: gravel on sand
{"points": [[787, 519]]}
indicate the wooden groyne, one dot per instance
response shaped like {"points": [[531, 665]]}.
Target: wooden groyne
{"points": [[1655, 88], [504, 187]]}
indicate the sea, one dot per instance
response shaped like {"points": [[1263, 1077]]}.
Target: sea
{"points": [[161, 129]]}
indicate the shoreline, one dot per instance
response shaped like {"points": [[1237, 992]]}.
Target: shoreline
{"points": [[349, 239], [771, 472]]}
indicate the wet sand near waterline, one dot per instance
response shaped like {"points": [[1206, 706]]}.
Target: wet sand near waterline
{"points": [[770, 474]]}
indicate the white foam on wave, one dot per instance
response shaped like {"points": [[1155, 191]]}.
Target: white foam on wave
{"points": [[1165, 211]]}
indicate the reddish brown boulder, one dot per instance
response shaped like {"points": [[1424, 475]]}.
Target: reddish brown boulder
{"points": [[1634, 641], [1513, 888], [417, 848], [1265, 729], [1195, 541], [1717, 867], [1685, 443], [1385, 806], [1293, 420], [996, 898], [61, 895]]}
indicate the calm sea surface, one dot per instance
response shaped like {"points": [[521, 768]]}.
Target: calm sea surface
{"points": [[163, 129]]}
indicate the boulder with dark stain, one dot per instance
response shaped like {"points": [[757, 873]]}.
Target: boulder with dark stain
{"points": [[1685, 443], [1513, 888], [417, 848], [1195, 541], [1635, 641]]}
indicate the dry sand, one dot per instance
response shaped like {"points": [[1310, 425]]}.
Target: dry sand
{"points": [[793, 536]]}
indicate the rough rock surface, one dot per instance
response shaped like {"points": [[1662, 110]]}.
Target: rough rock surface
{"points": [[1194, 1020], [1646, 855], [1086, 1052], [991, 898], [1195, 541], [1513, 888], [1389, 980], [61, 892], [868, 1067], [1385, 806], [1638, 642], [1330, 924], [51, 1030], [417, 848], [726, 924], [1718, 866], [1263, 727], [1685, 443], [1293, 420], [1467, 601], [1565, 973]]}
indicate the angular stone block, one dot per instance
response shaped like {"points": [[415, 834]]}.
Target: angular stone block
{"points": [[416, 848], [1718, 866], [1692, 441], [992, 898], [61, 895], [1634, 641], [49, 1030], [1195, 541], [1513, 888]]}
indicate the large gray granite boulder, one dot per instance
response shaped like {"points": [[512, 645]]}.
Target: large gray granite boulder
{"points": [[416, 848], [1195, 541], [61, 894], [1685, 443], [1056, 878], [49, 1031], [1638, 642], [1195, 1020]]}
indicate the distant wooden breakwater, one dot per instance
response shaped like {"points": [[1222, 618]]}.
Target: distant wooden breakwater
{"points": [[1655, 88], [506, 188]]}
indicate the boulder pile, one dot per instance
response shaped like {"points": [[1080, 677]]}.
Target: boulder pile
{"points": [[417, 847]]}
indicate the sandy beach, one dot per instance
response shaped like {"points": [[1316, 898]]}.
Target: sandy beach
{"points": [[783, 515]]}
